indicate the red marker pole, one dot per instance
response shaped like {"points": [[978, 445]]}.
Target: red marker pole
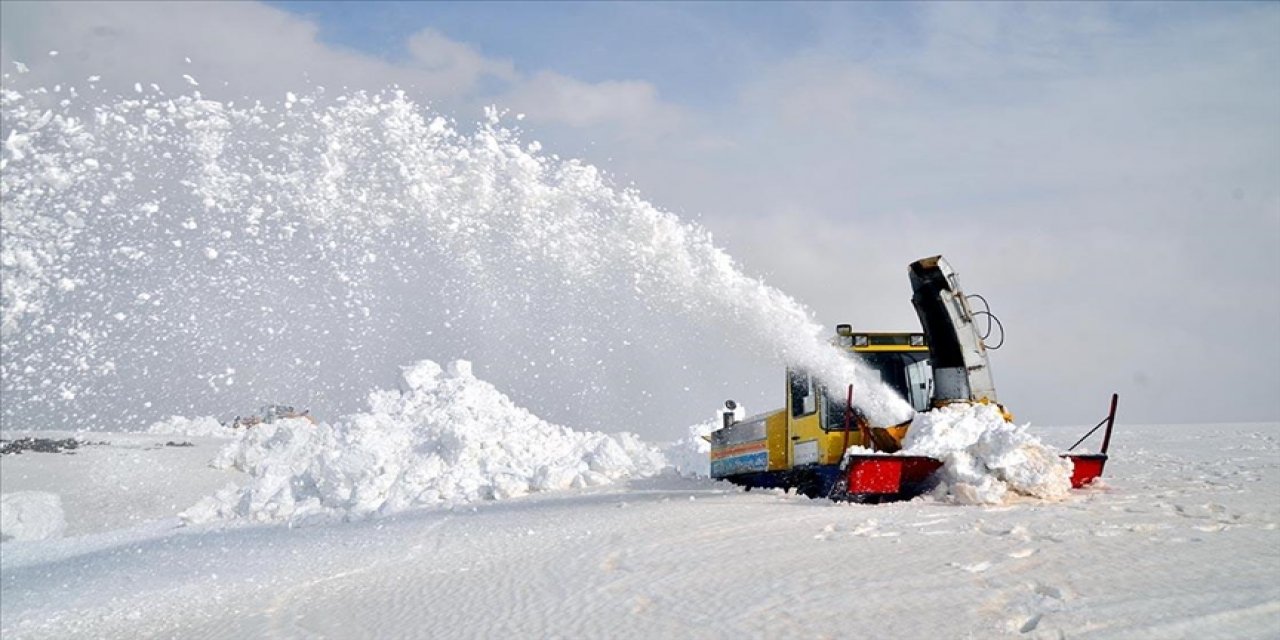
{"points": [[1111, 421], [848, 417]]}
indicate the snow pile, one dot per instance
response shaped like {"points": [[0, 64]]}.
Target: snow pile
{"points": [[984, 457], [204, 427], [31, 515], [446, 437]]}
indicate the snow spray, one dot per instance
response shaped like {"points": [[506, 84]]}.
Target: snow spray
{"points": [[174, 254]]}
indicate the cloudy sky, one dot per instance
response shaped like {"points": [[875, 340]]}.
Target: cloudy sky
{"points": [[1107, 175]]}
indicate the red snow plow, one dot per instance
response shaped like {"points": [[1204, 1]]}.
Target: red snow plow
{"points": [[804, 445], [884, 477]]}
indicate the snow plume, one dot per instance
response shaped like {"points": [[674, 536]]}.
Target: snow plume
{"points": [[295, 252], [984, 457], [445, 438]]}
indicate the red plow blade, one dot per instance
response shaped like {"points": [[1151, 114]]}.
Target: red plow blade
{"points": [[876, 477], [1087, 467]]}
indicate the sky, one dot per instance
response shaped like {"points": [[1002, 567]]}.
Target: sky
{"points": [[1106, 175]]}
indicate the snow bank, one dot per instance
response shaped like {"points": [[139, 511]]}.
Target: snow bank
{"points": [[446, 437], [204, 427], [984, 457], [31, 515]]}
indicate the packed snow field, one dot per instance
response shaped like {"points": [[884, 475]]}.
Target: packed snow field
{"points": [[1180, 539]]}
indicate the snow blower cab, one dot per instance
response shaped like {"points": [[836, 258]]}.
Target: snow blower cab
{"points": [[807, 444], [901, 360]]}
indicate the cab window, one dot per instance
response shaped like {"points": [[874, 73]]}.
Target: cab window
{"points": [[909, 373], [803, 399]]}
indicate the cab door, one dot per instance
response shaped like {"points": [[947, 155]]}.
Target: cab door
{"points": [[920, 384], [804, 430]]}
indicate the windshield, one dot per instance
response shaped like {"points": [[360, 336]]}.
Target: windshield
{"points": [[907, 372]]}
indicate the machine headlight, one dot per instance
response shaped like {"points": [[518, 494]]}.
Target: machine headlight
{"points": [[917, 340], [860, 341]]}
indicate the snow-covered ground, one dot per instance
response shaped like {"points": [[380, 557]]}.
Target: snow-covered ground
{"points": [[1182, 539]]}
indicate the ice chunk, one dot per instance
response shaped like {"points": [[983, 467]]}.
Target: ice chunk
{"points": [[419, 376]]}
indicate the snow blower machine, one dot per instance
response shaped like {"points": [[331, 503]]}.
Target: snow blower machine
{"points": [[805, 446]]}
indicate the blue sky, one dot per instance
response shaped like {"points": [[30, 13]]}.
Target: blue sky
{"points": [[1107, 173], [692, 52]]}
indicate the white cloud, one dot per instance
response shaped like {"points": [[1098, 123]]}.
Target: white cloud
{"points": [[251, 48], [455, 64], [814, 91], [245, 48], [554, 98]]}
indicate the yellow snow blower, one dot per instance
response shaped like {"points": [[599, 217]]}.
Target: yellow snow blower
{"points": [[803, 445]]}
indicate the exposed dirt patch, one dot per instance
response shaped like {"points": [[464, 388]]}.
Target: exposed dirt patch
{"points": [[43, 445]]}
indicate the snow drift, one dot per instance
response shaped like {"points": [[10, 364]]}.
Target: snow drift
{"points": [[984, 457], [445, 437]]}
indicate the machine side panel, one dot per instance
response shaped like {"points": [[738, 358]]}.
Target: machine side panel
{"points": [[776, 426], [832, 445], [740, 448]]}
